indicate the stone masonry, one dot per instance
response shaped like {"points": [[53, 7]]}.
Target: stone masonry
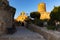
{"points": [[47, 34], [6, 16]]}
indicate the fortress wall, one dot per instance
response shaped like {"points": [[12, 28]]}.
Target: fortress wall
{"points": [[6, 16]]}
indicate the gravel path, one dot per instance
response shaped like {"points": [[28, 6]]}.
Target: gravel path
{"points": [[24, 34]]}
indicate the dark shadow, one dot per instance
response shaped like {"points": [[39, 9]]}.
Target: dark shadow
{"points": [[22, 24]]}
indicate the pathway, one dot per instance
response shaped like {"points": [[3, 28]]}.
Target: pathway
{"points": [[24, 34]]}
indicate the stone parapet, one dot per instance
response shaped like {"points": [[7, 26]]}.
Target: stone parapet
{"points": [[48, 34]]}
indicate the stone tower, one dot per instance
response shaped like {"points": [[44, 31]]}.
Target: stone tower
{"points": [[42, 11], [41, 7], [6, 16]]}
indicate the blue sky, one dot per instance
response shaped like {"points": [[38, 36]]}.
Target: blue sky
{"points": [[31, 5]]}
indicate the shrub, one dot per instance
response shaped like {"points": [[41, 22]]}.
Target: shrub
{"points": [[39, 22], [51, 27]]}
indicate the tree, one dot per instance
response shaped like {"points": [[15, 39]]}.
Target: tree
{"points": [[35, 15], [55, 14]]}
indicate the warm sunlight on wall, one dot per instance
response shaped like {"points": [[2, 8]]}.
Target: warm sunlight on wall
{"points": [[42, 10], [21, 17]]}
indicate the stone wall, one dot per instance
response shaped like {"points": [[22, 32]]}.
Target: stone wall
{"points": [[47, 34], [6, 16]]}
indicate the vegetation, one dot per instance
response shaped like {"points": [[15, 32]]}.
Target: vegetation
{"points": [[51, 24], [55, 17], [55, 14], [35, 15], [28, 20], [51, 27], [37, 20]]}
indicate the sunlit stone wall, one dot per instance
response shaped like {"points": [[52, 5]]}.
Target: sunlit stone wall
{"points": [[42, 11], [21, 17]]}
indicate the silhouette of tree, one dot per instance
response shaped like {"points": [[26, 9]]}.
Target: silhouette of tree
{"points": [[35, 15]]}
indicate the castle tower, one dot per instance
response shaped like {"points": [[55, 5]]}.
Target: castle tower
{"points": [[21, 17], [42, 11], [42, 7]]}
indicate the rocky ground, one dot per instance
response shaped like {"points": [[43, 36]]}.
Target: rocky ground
{"points": [[23, 34]]}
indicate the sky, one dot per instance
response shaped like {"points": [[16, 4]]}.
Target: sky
{"points": [[32, 5]]}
